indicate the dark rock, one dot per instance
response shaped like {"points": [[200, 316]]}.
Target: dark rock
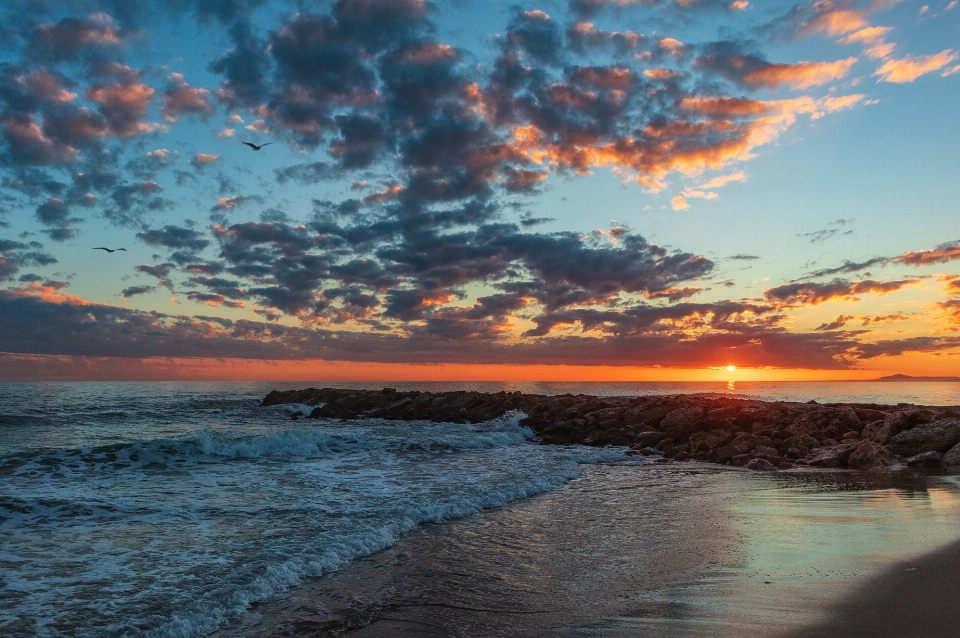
{"points": [[938, 436], [926, 459], [648, 451], [797, 447], [682, 456], [868, 415], [649, 438], [835, 455], [761, 465], [952, 457], [870, 456], [896, 423], [705, 441], [763, 450], [682, 422], [664, 444]]}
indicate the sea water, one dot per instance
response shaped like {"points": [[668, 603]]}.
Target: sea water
{"points": [[166, 509]]}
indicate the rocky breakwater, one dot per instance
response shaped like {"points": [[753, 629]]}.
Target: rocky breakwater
{"points": [[758, 435]]}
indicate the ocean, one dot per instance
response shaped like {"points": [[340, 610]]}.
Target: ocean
{"points": [[168, 509]]}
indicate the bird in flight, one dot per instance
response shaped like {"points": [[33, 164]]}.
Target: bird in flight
{"points": [[255, 147], [109, 250]]}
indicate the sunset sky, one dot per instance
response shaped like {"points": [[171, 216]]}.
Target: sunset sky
{"points": [[592, 189]]}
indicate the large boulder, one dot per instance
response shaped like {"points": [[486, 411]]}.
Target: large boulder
{"points": [[830, 456], [870, 456], [938, 436], [897, 422], [741, 445], [797, 447], [761, 465], [926, 459], [682, 422], [648, 438], [706, 441], [952, 457]]}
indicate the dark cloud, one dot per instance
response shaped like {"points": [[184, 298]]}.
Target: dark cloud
{"points": [[29, 324], [15, 255], [816, 293], [175, 237], [137, 290], [70, 37]]}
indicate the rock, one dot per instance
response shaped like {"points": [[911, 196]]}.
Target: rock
{"points": [[831, 456], [763, 450], [761, 465], [882, 431], [682, 422], [870, 456], [853, 435], [952, 457], [797, 447], [648, 439], [926, 459], [664, 444], [706, 441], [938, 436], [648, 451]]}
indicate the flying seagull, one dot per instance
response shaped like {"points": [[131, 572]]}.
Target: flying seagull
{"points": [[255, 147], [109, 250]]}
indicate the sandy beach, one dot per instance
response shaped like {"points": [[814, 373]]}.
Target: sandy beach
{"points": [[657, 550], [916, 597]]}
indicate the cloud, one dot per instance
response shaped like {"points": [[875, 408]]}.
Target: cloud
{"points": [[202, 159], [175, 237], [70, 36], [180, 99], [909, 68], [800, 75], [136, 290], [124, 105], [840, 289], [15, 255]]}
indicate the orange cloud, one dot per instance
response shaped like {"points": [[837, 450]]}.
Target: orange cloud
{"points": [[910, 68], [204, 158], [835, 23], [939, 255], [873, 38], [49, 291], [800, 75]]}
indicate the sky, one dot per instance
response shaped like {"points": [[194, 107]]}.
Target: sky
{"points": [[560, 190]]}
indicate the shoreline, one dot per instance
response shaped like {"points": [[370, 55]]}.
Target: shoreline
{"points": [[627, 549], [758, 435]]}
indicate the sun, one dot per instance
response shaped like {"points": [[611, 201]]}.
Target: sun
{"points": [[731, 368]]}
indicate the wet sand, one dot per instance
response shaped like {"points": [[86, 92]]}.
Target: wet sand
{"points": [[918, 597], [652, 550]]}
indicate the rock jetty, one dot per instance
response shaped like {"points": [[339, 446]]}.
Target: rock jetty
{"points": [[758, 435]]}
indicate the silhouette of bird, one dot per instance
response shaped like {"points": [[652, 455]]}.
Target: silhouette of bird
{"points": [[110, 250], [255, 147]]}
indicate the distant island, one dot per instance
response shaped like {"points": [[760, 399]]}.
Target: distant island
{"points": [[905, 377]]}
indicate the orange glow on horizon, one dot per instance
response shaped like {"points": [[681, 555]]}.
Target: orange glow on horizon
{"points": [[41, 367]]}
